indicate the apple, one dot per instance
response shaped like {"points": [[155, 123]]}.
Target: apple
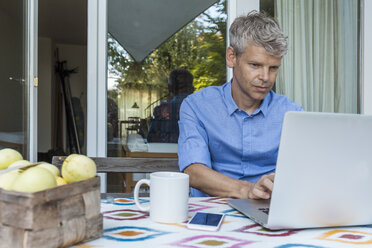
{"points": [[7, 179], [8, 156], [52, 168], [18, 163], [78, 167], [60, 181], [34, 179]]}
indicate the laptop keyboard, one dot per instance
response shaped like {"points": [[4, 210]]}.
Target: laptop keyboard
{"points": [[265, 210]]}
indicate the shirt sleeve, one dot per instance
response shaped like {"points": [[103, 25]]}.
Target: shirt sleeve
{"points": [[193, 139], [299, 108]]}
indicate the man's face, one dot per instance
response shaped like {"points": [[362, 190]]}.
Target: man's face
{"points": [[254, 74]]}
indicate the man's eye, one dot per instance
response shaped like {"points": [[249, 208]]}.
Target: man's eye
{"points": [[254, 65]]}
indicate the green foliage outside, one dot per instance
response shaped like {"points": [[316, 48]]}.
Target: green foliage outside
{"points": [[198, 47]]}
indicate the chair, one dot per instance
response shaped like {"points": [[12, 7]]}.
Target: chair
{"points": [[128, 166]]}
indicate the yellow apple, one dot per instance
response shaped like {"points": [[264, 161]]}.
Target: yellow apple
{"points": [[18, 163], [78, 167], [7, 179], [8, 156], [34, 179], [60, 181], [52, 168]]}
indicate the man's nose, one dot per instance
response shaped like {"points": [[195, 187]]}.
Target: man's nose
{"points": [[264, 74]]}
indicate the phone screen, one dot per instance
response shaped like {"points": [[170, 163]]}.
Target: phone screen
{"points": [[208, 219]]}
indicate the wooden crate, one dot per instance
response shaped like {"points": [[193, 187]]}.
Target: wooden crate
{"points": [[56, 217]]}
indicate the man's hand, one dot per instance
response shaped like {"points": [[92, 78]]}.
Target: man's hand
{"points": [[262, 188], [217, 184]]}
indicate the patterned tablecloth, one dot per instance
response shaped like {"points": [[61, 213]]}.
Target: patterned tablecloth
{"points": [[126, 226]]}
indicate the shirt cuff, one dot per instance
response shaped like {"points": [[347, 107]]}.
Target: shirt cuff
{"points": [[187, 157]]}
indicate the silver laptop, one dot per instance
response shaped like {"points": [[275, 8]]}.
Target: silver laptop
{"points": [[323, 174]]}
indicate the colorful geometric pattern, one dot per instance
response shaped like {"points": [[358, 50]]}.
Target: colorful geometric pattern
{"points": [[197, 207], [125, 214], [123, 201], [234, 213], [85, 246], [131, 233], [182, 225], [204, 241], [217, 200], [126, 226], [348, 237], [299, 246], [259, 230]]}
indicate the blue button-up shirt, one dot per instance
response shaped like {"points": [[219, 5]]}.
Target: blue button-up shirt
{"points": [[216, 133]]}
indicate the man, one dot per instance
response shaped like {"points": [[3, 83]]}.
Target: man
{"points": [[164, 127], [229, 135]]}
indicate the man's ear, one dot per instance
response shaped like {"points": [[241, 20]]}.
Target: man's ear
{"points": [[230, 57]]}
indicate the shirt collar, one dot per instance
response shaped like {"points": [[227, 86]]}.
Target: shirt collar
{"points": [[230, 103], [265, 104], [232, 107]]}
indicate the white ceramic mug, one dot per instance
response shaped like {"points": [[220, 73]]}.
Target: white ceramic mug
{"points": [[169, 196]]}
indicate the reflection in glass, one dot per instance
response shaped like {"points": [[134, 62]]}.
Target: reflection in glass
{"points": [[12, 85], [147, 110]]}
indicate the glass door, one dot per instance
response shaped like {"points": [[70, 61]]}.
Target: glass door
{"points": [[17, 73]]}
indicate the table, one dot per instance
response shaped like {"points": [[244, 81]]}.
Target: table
{"points": [[128, 153], [126, 226], [132, 124]]}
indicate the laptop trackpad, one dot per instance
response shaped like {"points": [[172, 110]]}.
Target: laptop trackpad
{"points": [[256, 210]]}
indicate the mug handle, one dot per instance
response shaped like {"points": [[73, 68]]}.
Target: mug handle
{"points": [[136, 189]]}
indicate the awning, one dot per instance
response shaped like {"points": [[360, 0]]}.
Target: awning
{"points": [[140, 26]]}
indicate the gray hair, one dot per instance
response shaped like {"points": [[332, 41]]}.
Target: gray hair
{"points": [[259, 29]]}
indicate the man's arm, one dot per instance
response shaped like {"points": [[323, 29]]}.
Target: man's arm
{"points": [[218, 184]]}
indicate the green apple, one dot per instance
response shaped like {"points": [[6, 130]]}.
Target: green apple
{"points": [[8, 156], [78, 167], [18, 163], [52, 168], [34, 179], [7, 179]]}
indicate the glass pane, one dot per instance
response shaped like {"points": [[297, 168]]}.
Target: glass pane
{"points": [[144, 96], [62, 72], [143, 102], [13, 116]]}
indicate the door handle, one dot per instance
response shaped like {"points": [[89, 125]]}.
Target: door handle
{"points": [[21, 80]]}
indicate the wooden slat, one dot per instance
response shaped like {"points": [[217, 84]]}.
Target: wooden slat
{"points": [[71, 189], [71, 207], [47, 238], [38, 217], [151, 155], [24, 198], [131, 165], [94, 228], [11, 237], [92, 203], [73, 230], [108, 196]]}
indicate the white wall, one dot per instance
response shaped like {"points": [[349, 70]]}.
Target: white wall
{"points": [[45, 94]]}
